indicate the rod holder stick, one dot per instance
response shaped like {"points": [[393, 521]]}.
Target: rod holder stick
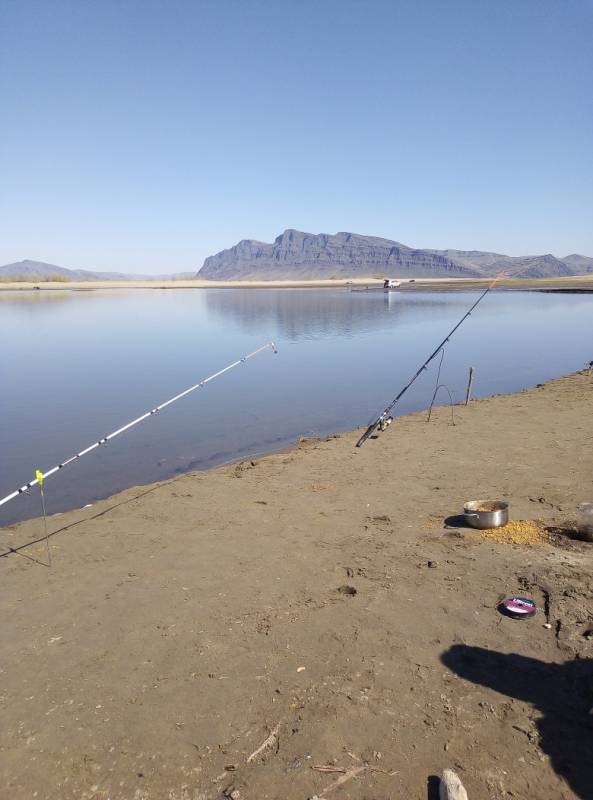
{"points": [[468, 394], [45, 527]]}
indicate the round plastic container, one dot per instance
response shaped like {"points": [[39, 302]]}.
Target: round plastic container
{"points": [[585, 521]]}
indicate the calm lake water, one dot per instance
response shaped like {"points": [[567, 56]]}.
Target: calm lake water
{"points": [[77, 365]]}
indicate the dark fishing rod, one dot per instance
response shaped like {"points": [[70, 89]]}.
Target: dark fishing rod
{"points": [[385, 417]]}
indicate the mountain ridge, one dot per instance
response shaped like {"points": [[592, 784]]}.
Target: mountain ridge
{"points": [[40, 270], [298, 254]]}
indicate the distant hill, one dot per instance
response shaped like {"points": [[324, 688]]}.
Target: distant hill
{"points": [[39, 270], [546, 266], [295, 254], [583, 264]]}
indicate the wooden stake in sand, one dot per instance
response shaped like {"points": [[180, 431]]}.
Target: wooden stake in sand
{"points": [[468, 395]]}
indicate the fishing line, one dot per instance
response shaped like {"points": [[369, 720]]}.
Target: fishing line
{"points": [[385, 418], [40, 476]]}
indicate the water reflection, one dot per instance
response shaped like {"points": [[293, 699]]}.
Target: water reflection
{"points": [[22, 299], [298, 314], [51, 299]]}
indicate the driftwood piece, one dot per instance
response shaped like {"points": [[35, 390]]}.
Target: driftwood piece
{"points": [[451, 787], [272, 738]]}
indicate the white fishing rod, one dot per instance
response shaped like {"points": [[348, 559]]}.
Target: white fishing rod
{"points": [[42, 475]]}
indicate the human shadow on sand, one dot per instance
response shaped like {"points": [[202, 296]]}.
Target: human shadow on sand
{"points": [[563, 693]]}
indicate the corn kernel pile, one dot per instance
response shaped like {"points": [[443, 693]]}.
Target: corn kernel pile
{"points": [[517, 532]]}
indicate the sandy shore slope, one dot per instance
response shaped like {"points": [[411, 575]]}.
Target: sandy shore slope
{"points": [[314, 600]]}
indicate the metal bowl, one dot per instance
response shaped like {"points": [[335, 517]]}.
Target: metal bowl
{"points": [[494, 518]]}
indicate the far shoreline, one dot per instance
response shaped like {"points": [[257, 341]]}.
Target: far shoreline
{"points": [[579, 283]]}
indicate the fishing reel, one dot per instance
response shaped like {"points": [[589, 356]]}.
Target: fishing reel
{"points": [[380, 424]]}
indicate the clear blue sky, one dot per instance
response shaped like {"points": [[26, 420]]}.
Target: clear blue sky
{"points": [[143, 135]]}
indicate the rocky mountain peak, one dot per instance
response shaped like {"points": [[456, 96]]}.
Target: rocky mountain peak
{"points": [[302, 255]]}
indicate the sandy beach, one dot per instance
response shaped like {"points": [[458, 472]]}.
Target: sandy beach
{"points": [[315, 623]]}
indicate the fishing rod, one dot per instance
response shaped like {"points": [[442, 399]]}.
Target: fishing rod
{"points": [[40, 476], [385, 417]]}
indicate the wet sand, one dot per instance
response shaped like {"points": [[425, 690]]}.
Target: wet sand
{"points": [[326, 601]]}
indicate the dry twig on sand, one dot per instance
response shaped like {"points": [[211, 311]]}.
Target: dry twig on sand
{"points": [[327, 768], [347, 776], [272, 738]]}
